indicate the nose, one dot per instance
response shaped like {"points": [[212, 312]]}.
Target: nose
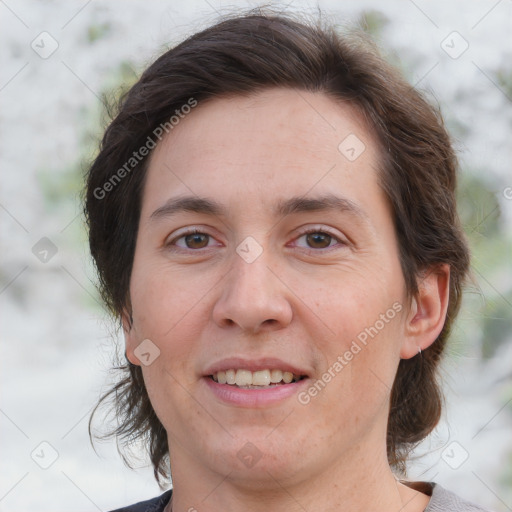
{"points": [[253, 298]]}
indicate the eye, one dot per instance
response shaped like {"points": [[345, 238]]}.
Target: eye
{"points": [[317, 239], [196, 240], [192, 240]]}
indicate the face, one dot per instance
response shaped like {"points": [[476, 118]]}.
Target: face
{"points": [[266, 252]]}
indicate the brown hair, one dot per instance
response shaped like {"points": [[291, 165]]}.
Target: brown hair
{"points": [[242, 55]]}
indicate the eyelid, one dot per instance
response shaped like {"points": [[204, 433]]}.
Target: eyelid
{"points": [[319, 228]]}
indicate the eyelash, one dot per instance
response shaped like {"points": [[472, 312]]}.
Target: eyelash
{"points": [[317, 230]]}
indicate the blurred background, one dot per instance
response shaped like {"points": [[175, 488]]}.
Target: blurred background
{"points": [[60, 62]]}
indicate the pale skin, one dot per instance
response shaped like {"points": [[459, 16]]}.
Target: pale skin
{"points": [[303, 300]]}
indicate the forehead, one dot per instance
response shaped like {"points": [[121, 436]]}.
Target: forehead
{"points": [[264, 147]]}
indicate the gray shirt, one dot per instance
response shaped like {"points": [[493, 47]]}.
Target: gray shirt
{"points": [[443, 500]]}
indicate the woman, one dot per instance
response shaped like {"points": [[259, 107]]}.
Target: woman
{"points": [[273, 219]]}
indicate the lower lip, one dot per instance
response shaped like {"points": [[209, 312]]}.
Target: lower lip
{"points": [[254, 397]]}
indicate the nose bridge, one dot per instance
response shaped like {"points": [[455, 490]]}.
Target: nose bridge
{"points": [[252, 278], [252, 296]]}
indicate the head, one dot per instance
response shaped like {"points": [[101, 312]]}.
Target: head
{"points": [[270, 189]]}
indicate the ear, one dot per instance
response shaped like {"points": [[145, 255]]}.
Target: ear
{"points": [[130, 338], [428, 311]]}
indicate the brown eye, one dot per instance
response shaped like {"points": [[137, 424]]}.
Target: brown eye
{"points": [[318, 240], [196, 240]]}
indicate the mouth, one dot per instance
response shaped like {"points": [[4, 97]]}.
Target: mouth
{"points": [[253, 383], [260, 379]]}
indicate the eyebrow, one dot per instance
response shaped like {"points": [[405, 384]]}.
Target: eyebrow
{"points": [[328, 202], [188, 204]]}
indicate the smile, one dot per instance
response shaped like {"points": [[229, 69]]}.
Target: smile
{"points": [[258, 379]]}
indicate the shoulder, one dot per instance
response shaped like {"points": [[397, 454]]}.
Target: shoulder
{"points": [[443, 500], [154, 505]]}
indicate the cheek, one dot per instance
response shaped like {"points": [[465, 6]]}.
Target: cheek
{"points": [[166, 302], [363, 311], [172, 312], [353, 301]]}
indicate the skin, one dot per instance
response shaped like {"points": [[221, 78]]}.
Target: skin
{"points": [[303, 300]]}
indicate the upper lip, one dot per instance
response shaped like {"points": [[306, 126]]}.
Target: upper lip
{"points": [[253, 365]]}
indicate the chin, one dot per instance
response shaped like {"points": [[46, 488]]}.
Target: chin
{"points": [[254, 461]]}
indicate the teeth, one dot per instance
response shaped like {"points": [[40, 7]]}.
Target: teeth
{"points": [[230, 377], [244, 378], [276, 376], [261, 378], [287, 377]]}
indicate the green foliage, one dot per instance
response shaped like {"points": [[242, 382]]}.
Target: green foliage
{"points": [[491, 247], [96, 32], [62, 187], [504, 80], [373, 22], [478, 206]]}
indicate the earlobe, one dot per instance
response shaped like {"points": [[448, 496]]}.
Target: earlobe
{"points": [[427, 313]]}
